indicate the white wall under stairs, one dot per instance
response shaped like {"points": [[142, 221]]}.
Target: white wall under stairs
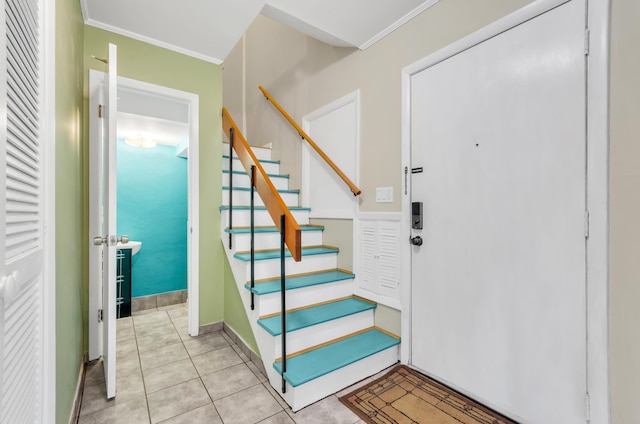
{"points": [[317, 302]]}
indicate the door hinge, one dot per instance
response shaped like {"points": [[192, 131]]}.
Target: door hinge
{"points": [[587, 406], [99, 111], [586, 224], [99, 315], [586, 41]]}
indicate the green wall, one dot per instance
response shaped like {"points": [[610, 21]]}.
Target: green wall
{"points": [[69, 205], [234, 313], [155, 65]]}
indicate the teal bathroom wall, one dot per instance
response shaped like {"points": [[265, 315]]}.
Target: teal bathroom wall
{"points": [[152, 208]]}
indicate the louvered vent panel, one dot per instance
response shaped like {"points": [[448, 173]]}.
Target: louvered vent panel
{"points": [[389, 257], [22, 355], [367, 272], [23, 202]]}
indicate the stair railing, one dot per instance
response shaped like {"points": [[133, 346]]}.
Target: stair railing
{"points": [[354, 189], [265, 188], [278, 210]]}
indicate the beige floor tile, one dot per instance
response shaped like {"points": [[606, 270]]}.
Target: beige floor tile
{"points": [[178, 312], [235, 409], [276, 395], [204, 415], [177, 400], [155, 341], [229, 381], [122, 323], [328, 410], [154, 328], [130, 386], [256, 372], [127, 364], [162, 356], [240, 353], [125, 333], [364, 382], [279, 418], [169, 375], [206, 343], [94, 373], [130, 412], [126, 347], [172, 307], [216, 360], [144, 312], [127, 388], [182, 327], [151, 317]]}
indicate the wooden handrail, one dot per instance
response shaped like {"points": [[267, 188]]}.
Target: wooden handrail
{"points": [[354, 189], [265, 188]]}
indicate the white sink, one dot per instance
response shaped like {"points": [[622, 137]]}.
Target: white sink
{"points": [[133, 245]]}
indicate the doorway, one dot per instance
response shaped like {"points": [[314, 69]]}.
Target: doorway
{"points": [[497, 159], [152, 151], [192, 102]]}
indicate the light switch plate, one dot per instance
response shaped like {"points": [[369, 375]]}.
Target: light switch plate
{"points": [[384, 194]]}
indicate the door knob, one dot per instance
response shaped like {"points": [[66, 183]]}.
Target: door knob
{"points": [[99, 240], [103, 240], [416, 241]]}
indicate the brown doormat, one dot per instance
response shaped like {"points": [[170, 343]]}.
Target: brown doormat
{"points": [[406, 396]]}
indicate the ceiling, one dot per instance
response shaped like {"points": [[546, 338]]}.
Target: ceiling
{"points": [[209, 29]]}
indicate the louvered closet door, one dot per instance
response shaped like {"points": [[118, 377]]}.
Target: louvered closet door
{"points": [[21, 250]]}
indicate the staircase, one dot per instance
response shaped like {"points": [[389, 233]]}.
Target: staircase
{"points": [[331, 340]]}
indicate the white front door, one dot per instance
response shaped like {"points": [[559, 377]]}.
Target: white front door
{"points": [[102, 219], [498, 153]]}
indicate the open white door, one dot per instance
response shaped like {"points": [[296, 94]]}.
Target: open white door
{"points": [[102, 220]]}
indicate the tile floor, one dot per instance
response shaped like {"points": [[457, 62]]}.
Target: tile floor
{"points": [[165, 376]]}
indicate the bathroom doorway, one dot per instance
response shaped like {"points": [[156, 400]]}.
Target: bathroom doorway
{"points": [[167, 119], [144, 98], [152, 151]]}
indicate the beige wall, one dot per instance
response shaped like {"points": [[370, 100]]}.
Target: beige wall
{"points": [[304, 74], [339, 233], [625, 212]]}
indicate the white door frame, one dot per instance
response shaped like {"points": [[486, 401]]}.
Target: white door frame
{"points": [[193, 188], [597, 285]]}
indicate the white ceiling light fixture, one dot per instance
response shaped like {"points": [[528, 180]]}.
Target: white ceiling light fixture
{"points": [[147, 143]]}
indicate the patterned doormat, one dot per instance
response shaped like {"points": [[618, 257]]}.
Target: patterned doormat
{"points": [[406, 396]]}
